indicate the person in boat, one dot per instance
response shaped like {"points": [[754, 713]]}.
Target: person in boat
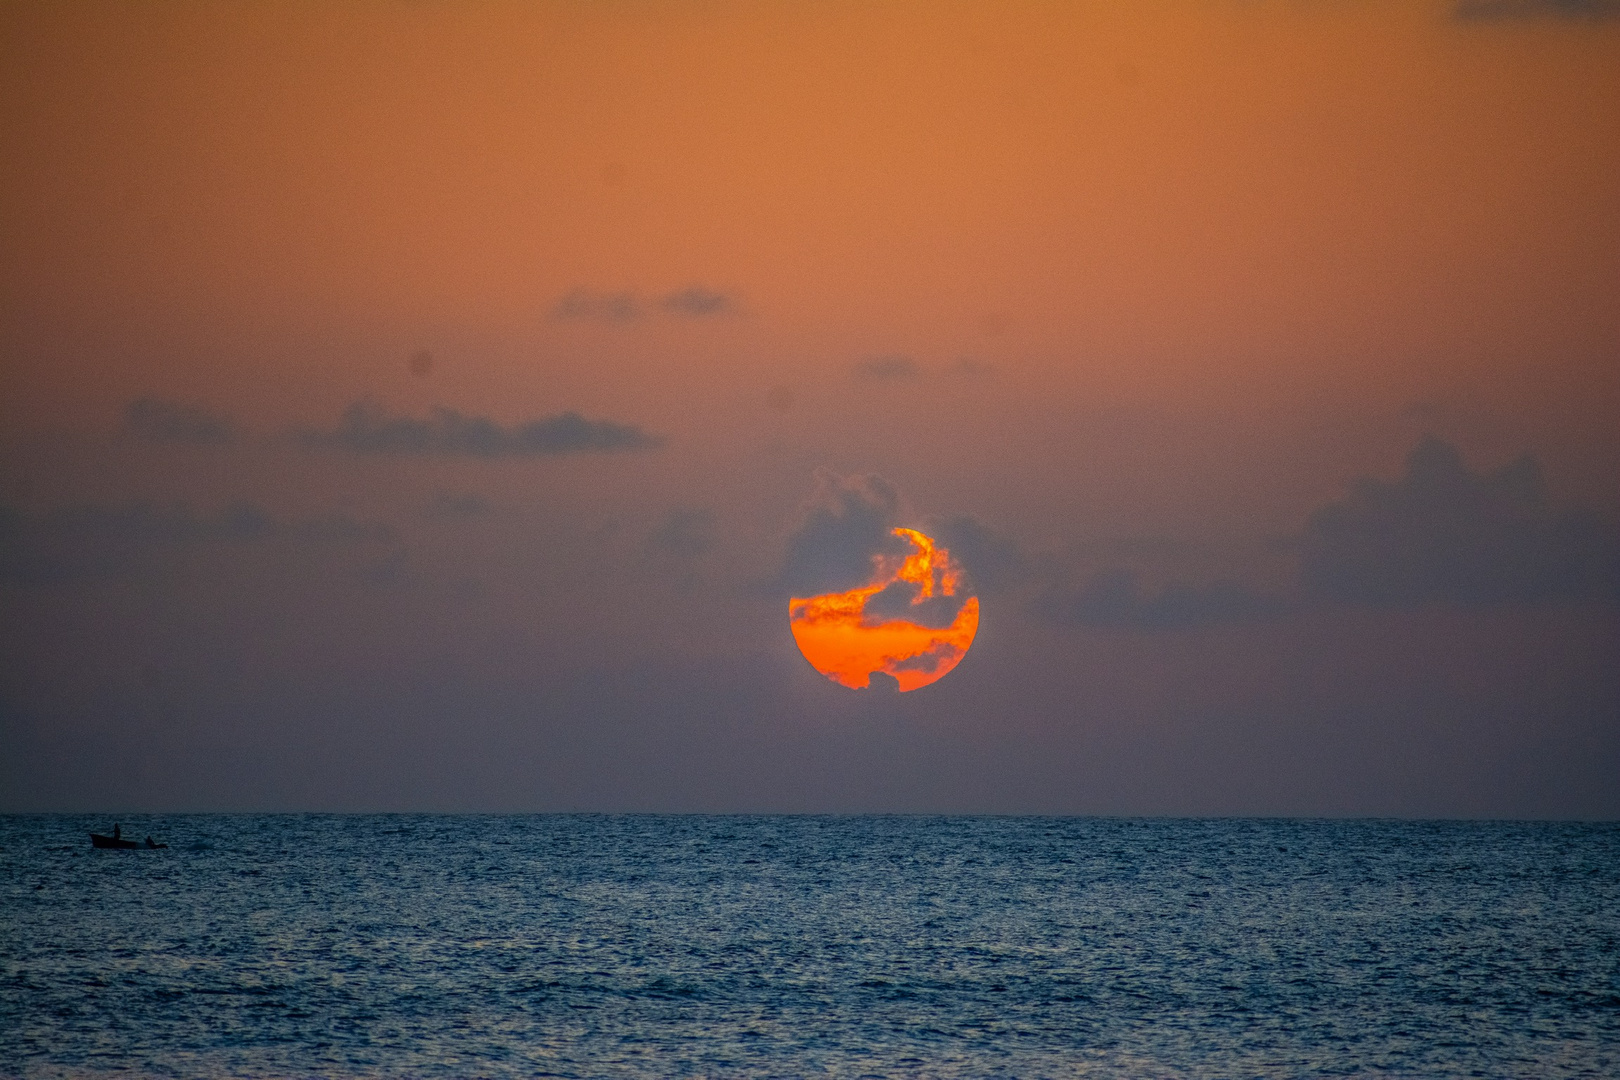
{"points": [[118, 832]]}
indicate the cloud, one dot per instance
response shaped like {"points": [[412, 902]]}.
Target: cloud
{"points": [[100, 541], [174, 422], [881, 682], [582, 304], [992, 560], [887, 368], [684, 533], [697, 302], [1115, 599], [1499, 10], [928, 661], [847, 529], [1443, 534], [1440, 535], [365, 429], [175, 524], [899, 600], [846, 522], [622, 308]]}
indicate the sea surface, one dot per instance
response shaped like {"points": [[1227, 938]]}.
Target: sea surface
{"points": [[685, 946]]}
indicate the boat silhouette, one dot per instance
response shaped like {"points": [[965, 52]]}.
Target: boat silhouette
{"points": [[117, 840]]}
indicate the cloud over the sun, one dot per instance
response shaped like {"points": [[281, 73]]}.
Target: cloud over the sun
{"points": [[845, 523], [365, 429], [902, 600], [868, 594], [848, 530], [992, 560]]}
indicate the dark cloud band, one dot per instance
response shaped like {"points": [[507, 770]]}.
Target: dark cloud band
{"points": [[1115, 599], [1444, 534], [93, 541], [176, 422], [1502, 10]]}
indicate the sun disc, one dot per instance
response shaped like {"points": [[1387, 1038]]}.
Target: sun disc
{"points": [[847, 642]]}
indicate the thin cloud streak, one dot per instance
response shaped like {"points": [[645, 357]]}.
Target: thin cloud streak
{"points": [[624, 307], [697, 302], [366, 429], [887, 368]]}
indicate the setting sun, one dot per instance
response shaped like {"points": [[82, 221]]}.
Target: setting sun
{"points": [[847, 637]]}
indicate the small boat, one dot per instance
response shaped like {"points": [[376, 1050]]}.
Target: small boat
{"points": [[116, 840]]}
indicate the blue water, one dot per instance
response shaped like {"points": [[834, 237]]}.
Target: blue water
{"points": [[282, 946]]}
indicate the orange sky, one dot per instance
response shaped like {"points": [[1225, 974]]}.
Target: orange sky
{"points": [[1238, 202], [1137, 286]]}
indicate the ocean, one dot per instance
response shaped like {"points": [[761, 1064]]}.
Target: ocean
{"points": [[846, 946]]}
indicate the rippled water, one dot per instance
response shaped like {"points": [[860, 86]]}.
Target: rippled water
{"points": [[271, 946]]}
